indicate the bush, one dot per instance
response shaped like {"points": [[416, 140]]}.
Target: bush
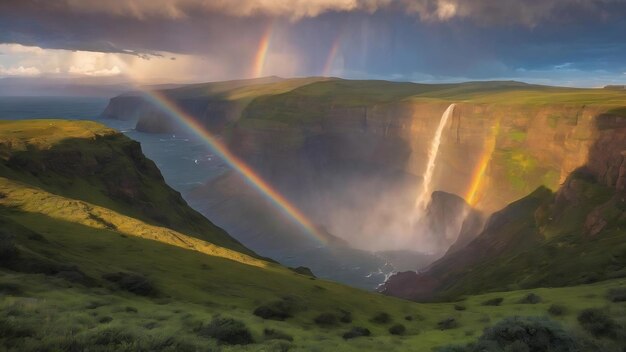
{"points": [[528, 334], [598, 323], [10, 328], [10, 289], [493, 302], [8, 250], [355, 332], [448, 323], [277, 310], [381, 318], [326, 319], [617, 294], [227, 331], [134, 283], [557, 310], [105, 320], [459, 307], [346, 317], [397, 329], [530, 298], [271, 334]]}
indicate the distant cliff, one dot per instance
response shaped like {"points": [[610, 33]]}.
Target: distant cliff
{"points": [[338, 144], [573, 236]]}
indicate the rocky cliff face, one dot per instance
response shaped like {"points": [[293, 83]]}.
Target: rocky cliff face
{"points": [[544, 239], [371, 159]]}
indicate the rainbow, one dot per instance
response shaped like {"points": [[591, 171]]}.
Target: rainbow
{"points": [[237, 164], [328, 66], [478, 175], [261, 53]]}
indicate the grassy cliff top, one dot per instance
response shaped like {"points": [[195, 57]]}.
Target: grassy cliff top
{"points": [[44, 133], [87, 161]]}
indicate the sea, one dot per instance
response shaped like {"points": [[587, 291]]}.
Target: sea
{"points": [[184, 161]]}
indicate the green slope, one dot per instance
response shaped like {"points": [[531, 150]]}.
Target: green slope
{"points": [[87, 161], [312, 101], [63, 244]]}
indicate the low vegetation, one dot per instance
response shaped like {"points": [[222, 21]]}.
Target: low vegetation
{"points": [[228, 331], [355, 332], [598, 323]]}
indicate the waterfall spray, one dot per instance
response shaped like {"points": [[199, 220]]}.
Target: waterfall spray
{"points": [[426, 188]]}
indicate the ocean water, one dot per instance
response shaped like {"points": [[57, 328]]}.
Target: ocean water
{"points": [[185, 161]]}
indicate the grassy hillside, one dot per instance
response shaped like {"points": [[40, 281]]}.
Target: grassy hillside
{"points": [[80, 271], [542, 240], [89, 162]]}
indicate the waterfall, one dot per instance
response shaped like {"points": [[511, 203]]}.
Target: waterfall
{"points": [[426, 187]]}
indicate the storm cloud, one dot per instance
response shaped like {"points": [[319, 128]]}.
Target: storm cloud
{"points": [[572, 42]]}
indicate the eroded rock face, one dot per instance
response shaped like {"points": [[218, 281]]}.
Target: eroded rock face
{"points": [[588, 211], [371, 159]]}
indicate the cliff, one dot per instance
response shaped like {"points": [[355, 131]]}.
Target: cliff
{"points": [[545, 239], [331, 145], [89, 162]]}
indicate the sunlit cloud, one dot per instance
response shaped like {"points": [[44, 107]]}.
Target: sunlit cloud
{"points": [[19, 71]]}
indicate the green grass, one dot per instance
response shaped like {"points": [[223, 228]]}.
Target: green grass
{"points": [[86, 161], [312, 101]]}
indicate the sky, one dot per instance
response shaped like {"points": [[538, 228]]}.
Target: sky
{"points": [[557, 42]]}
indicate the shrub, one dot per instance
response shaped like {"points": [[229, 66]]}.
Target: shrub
{"points": [[346, 317], [326, 319], [397, 329], [408, 318], [277, 310], [459, 307], [448, 323], [527, 334], [105, 320], [130, 309], [521, 334], [134, 283], [493, 302], [8, 250], [227, 331], [598, 323], [10, 289], [10, 328], [530, 298], [381, 318], [355, 332], [557, 310], [271, 334], [617, 294], [75, 275]]}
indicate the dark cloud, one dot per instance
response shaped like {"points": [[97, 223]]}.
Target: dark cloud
{"points": [[403, 39]]}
